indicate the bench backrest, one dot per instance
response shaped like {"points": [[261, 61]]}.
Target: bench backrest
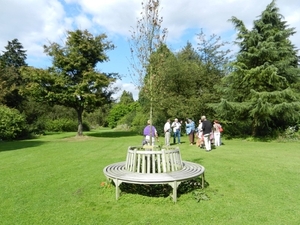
{"points": [[142, 160]]}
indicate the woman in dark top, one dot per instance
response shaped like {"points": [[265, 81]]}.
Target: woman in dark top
{"points": [[207, 129]]}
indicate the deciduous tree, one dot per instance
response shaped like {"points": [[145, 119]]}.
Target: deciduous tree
{"points": [[73, 81], [146, 38]]}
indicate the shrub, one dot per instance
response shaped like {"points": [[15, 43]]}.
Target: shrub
{"points": [[64, 125], [12, 123], [290, 134], [61, 125]]}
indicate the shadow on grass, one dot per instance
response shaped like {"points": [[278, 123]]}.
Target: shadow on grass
{"points": [[16, 145], [112, 134], [196, 160], [163, 190], [21, 144]]}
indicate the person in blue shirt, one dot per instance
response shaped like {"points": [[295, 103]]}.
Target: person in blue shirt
{"points": [[190, 130]]}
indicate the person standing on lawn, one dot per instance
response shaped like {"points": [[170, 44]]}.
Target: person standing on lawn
{"points": [[207, 130], [150, 133], [176, 130], [200, 141], [190, 130], [217, 133], [167, 130]]}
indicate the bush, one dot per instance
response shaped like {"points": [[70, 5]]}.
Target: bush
{"points": [[12, 123], [98, 117], [139, 122], [61, 125], [292, 133], [64, 125]]}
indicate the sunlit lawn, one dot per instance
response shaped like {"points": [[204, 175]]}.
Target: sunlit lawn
{"points": [[56, 179]]}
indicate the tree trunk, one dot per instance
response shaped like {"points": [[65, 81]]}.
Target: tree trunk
{"points": [[254, 127], [79, 117]]}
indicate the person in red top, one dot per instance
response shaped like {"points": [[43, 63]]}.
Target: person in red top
{"points": [[217, 133]]}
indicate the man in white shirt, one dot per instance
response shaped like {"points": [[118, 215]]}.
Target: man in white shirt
{"points": [[167, 130], [176, 129]]}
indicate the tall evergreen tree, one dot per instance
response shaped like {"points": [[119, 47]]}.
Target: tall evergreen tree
{"points": [[14, 56], [12, 59], [126, 98], [188, 53], [265, 68]]}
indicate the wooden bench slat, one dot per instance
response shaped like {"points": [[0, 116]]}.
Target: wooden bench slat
{"points": [[117, 171]]}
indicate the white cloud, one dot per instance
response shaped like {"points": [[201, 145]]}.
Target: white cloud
{"points": [[35, 22], [129, 87], [115, 16], [83, 22]]}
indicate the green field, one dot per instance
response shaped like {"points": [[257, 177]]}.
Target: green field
{"points": [[58, 179]]}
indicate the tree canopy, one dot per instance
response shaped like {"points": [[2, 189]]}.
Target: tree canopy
{"points": [[265, 69], [73, 81], [12, 59]]}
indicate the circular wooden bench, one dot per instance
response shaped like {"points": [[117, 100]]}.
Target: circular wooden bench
{"points": [[144, 166]]}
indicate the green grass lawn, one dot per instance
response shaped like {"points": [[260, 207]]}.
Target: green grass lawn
{"points": [[58, 179]]}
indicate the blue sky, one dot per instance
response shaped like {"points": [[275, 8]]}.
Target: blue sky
{"points": [[36, 22]]}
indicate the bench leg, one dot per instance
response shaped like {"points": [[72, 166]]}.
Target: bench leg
{"points": [[175, 185], [117, 183]]}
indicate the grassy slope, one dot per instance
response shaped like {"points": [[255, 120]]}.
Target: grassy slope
{"points": [[57, 179]]}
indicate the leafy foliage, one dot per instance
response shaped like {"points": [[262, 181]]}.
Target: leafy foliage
{"points": [[14, 56], [146, 39], [263, 75], [63, 125], [188, 80], [126, 97], [72, 81], [10, 79], [12, 123]]}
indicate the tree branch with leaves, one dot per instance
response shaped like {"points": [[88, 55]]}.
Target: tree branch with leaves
{"points": [[73, 80]]}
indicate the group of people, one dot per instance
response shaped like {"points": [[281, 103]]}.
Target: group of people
{"points": [[206, 132], [175, 127]]}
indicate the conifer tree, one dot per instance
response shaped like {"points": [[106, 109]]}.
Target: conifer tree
{"points": [[12, 59], [259, 88]]}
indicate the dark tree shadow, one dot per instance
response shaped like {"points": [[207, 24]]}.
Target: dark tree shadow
{"points": [[21, 144], [16, 145]]}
